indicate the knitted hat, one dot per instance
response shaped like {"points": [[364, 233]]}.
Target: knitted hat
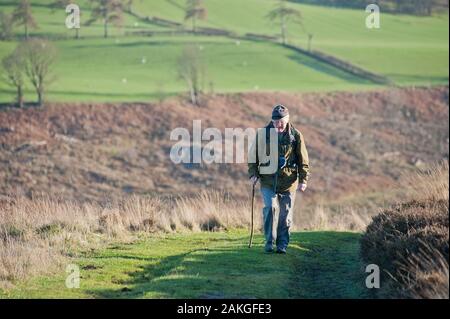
{"points": [[279, 112]]}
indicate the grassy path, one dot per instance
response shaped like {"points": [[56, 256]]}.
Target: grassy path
{"points": [[213, 265]]}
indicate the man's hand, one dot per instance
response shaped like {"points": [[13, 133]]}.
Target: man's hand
{"points": [[301, 187], [253, 180]]}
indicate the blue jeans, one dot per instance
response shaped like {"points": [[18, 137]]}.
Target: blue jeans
{"points": [[285, 203]]}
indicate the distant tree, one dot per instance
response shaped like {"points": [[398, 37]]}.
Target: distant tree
{"points": [[14, 74], [62, 4], [310, 37], [23, 16], [284, 15], [195, 9], [129, 5], [191, 69], [108, 11], [38, 57], [418, 7], [6, 23]]}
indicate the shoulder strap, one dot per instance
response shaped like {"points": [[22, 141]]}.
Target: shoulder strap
{"points": [[294, 134], [293, 137], [268, 127]]}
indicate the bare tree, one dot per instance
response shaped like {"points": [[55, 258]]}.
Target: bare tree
{"points": [[129, 5], [6, 22], [38, 57], [23, 15], [310, 37], [195, 9], [14, 73], [284, 15], [108, 11], [192, 69]]}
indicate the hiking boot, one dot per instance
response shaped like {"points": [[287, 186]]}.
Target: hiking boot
{"points": [[268, 249]]}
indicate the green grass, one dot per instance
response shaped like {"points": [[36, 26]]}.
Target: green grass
{"points": [[112, 69], [409, 50], [203, 265]]}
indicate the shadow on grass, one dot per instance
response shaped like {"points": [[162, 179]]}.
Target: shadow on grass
{"points": [[418, 78], [318, 265], [150, 42], [327, 69]]}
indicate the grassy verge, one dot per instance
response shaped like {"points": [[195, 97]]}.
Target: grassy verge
{"points": [[212, 265]]}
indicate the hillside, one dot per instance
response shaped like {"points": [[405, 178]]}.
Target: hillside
{"points": [[91, 119], [359, 143], [402, 41], [131, 67]]}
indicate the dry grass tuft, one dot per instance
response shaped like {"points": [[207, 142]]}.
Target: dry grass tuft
{"points": [[431, 184], [342, 218], [410, 241], [425, 274], [37, 234]]}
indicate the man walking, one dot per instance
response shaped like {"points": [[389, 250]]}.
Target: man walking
{"points": [[278, 190]]}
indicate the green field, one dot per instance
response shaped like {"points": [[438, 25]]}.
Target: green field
{"points": [[213, 265], [409, 50], [113, 69]]}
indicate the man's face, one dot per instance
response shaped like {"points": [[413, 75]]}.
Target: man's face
{"points": [[280, 125]]}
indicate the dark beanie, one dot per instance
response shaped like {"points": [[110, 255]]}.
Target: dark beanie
{"points": [[279, 112]]}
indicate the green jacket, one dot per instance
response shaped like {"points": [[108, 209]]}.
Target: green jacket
{"points": [[291, 145]]}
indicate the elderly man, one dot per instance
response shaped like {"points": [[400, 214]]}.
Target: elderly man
{"points": [[279, 189]]}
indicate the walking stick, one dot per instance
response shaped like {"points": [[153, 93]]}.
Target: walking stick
{"points": [[253, 203]]}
